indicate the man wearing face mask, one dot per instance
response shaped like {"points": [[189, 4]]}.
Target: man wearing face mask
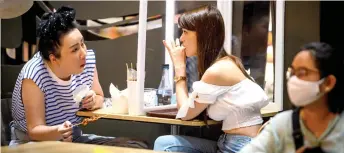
{"points": [[315, 85]]}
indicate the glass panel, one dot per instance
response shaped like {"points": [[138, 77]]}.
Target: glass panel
{"points": [[253, 32], [154, 46]]}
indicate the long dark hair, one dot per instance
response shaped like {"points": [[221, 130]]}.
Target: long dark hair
{"points": [[209, 26]]}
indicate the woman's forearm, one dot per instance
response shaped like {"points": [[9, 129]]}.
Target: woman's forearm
{"points": [[181, 87], [182, 92], [44, 133]]}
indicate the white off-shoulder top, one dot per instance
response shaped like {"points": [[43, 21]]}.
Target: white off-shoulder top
{"points": [[237, 106]]}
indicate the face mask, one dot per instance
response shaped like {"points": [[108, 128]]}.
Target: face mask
{"points": [[302, 92]]}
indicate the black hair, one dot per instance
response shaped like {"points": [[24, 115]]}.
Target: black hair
{"points": [[329, 61], [53, 25]]}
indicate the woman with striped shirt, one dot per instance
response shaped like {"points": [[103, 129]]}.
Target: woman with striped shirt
{"points": [[43, 107]]}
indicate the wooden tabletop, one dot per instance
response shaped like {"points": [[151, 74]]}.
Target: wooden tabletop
{"points": [[268, 111], [110, 115], [64, 147]]}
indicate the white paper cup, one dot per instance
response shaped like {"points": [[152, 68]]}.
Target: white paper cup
{"points": [[135, 106], [119, 105]]}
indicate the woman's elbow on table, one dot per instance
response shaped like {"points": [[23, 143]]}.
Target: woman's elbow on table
{"points": [[31, 133], [187, 118], [34, 134]]}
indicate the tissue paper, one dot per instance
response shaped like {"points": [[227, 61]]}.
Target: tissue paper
{"points": [[119, 100], [79, 93], [114, 92]]}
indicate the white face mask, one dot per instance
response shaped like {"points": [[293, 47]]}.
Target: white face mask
{"points": [[302, 93]]}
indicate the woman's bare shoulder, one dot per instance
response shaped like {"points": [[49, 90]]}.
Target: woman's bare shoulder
{"points": [[222, 73]]}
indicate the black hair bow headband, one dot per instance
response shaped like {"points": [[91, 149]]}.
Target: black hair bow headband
{"points": [[55, 21]]}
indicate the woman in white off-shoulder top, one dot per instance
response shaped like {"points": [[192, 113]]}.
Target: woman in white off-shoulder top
{"points": [[225, 90]]}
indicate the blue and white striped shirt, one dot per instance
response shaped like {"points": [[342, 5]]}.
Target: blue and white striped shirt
{"points": [[59, 103]]}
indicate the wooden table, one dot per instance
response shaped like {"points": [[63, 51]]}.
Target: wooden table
{"points": [[268, 111], [64, 147], [175, 123], [110, 115]]}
